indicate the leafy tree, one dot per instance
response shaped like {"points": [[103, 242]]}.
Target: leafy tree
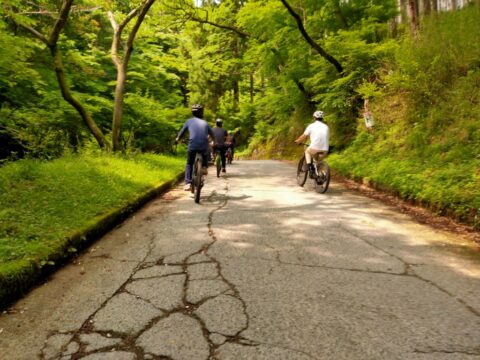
{"points": [[51, 41], [121, 64]]}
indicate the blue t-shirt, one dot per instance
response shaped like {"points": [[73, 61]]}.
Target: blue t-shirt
{"points": [[198, 130]]}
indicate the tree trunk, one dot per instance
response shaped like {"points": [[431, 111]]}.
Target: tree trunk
{"points": [[236, 77], [67, 95], [427, 7], [434, 6], [413, 6], [403, 8], [339, 15], [118, 107], [236, 93], [122, 65]]}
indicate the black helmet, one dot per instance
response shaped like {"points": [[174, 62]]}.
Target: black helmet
{"points": [[219, 122], [197, 110]]}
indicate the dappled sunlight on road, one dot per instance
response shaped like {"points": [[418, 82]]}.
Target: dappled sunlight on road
{"points": [[341, 229], [262, 262]]}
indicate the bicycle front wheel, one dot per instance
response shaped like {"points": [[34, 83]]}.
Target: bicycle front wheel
{"points": [[302, 171], [198, 180], [323, 179]]}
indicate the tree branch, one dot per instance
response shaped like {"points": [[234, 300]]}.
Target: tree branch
{"points": [[60, 23], [128, 50], [310, 41], [221, 26], [129, 17], [118, 29], [112, 20], [116, 40], [190, 14], [35, 33], [51, 13]]}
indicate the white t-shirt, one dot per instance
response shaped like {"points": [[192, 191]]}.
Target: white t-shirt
{"points": [[319, 133]]}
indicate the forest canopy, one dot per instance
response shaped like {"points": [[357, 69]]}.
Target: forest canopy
{"points": [[245, 60], [122, 74]]}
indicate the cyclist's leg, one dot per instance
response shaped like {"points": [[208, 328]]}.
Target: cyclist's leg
{"points": [[210, 152], [205, 161], [309, 153], [321, 155], [188, 167], [223, 153]]}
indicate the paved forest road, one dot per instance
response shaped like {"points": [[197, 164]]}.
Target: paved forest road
{"points": [[262, 269]]}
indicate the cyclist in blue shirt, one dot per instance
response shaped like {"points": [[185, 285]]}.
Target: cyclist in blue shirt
{"points": [[198, 130]]}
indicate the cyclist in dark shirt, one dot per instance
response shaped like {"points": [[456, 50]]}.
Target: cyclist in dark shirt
{"points": [[233, 143], [219, 141], [198, 130]]}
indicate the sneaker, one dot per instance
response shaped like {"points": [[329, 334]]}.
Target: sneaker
{"points": [[187, 187], [223, 170]]}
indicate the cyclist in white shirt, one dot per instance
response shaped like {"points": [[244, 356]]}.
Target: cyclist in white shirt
{"points": [[319, 133]]}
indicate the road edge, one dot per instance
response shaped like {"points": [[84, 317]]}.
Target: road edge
{"points": [[16, 284]]}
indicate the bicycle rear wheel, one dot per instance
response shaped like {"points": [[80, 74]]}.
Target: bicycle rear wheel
{"points": [[302, 171], [323, 179], [197, 182], [229, 156]]}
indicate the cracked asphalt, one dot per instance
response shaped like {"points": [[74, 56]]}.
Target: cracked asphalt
{"points": [[262, 269]]}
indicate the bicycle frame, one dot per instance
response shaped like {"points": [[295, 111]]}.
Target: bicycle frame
{"points": [[321, 176]]}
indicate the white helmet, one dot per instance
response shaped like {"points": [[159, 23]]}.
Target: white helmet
{"points": [[318, 114]]}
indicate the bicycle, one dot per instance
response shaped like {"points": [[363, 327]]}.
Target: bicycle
{"points": [[197, 177], [321, 177], [229, 155], [218, 161]]}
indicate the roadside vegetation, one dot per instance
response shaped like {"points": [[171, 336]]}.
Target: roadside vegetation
{"points": [[425, 145], [49, 207], [82, 83]]}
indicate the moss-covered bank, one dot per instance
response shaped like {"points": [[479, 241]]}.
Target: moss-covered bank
{"points": [[51, 210]]}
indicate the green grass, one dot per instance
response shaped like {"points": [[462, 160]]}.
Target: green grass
{"points": [[446, 188], [43, 205]]}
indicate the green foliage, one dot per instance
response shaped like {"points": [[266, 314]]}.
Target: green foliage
{"points": [[45, 202], [248, 64], [426, 145], [34, 119], [150, 127]]}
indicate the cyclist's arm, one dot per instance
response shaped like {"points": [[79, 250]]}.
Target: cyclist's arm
{"points": [[210, 132], [182, 132], [301, 138]]}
